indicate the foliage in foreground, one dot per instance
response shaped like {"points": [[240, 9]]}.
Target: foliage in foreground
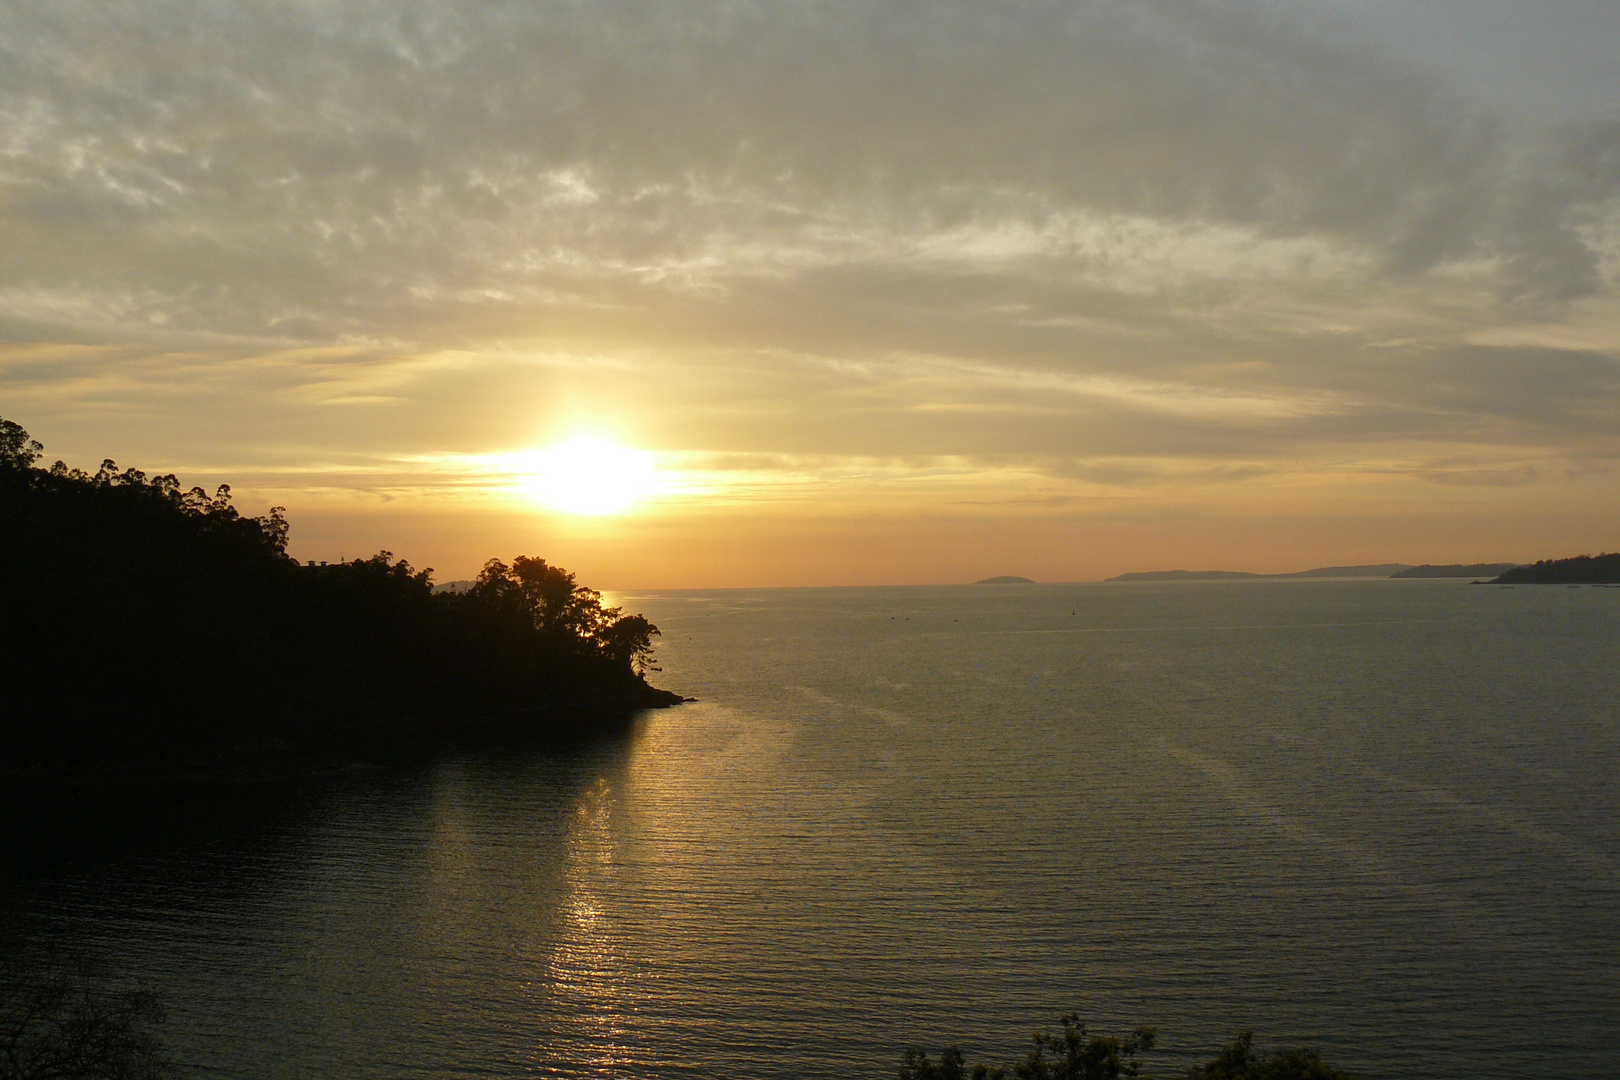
{"points": [[147, 623], [65, 1021], [1078, 1055]]}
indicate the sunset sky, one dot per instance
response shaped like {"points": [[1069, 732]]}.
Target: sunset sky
{"points": [[844, 292]]}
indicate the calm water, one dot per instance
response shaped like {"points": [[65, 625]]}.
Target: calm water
{"points": [[1376, 816]]}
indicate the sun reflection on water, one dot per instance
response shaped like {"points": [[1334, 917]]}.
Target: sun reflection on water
{"points": [[587, 971]]}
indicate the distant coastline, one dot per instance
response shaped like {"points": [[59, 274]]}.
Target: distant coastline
{"points": [[1005, 579], [1371, 570], [1457, 570], [1375, 570]]}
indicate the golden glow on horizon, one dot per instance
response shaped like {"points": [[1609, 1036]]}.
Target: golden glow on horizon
{"points": [[589, 476]]}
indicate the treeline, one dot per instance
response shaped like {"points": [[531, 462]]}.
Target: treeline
{"points": [[1076, 1054], [66, 1018], [150, 625], [1581, 570]]}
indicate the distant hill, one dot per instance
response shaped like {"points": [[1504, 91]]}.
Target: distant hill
{"points": [[1184, 575], [1005, 579], [1373, 570], [1457, 570], [1581, 570]]}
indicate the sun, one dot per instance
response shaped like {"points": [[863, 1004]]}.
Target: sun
{"points": [[589, 475]]}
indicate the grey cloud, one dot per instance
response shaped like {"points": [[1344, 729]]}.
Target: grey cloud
{"points": [[304, 171], [1588, 161]]}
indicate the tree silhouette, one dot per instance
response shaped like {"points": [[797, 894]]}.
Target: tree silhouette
{"points": [[1078, 1055], [1073, 1055], [17, 450], [154, 626], [1238, 1061], [65, 1020], [564, 611]]}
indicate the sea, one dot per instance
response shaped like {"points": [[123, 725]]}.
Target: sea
{"points": [[1379, 818]]}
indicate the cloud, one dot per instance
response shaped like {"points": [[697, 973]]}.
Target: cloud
{"points": [[1114, 242], [302, 171]]}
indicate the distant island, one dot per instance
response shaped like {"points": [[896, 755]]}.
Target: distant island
{"points": [[1005, 579], [1373, 570], [156, 632], [1580, 570], [1382, 570]]}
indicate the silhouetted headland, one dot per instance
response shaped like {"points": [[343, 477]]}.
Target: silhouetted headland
{"points": [[1581, 570], [157, 632]]}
